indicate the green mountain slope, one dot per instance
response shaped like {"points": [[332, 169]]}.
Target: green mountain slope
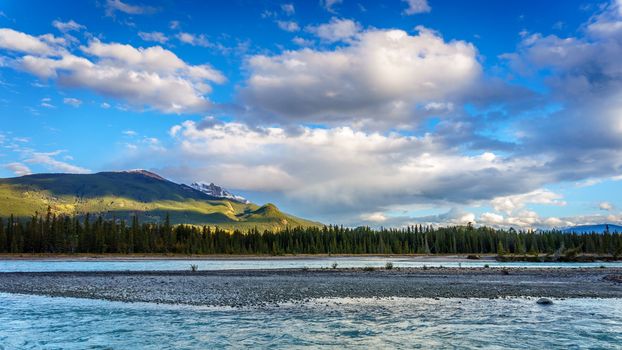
{"points": [[124, 194]]}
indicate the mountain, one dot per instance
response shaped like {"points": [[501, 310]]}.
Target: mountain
{"points": [[217, 191], [600, 228], [137, 192]]}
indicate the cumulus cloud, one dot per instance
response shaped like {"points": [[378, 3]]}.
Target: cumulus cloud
{"points": [[68, 26], [193, 39], [381, 72], [376, 217], [510, 204], [605, 206], [531, 220], [158, 37], [150, 77], [18, 169], [454, 216], [288, 26], [343, 171], [524, 219], [583, 136], [336, 30], [417, 6], [302, 41], [24, 43]]}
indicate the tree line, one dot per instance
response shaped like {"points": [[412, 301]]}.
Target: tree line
{"points": [[66, 234]]}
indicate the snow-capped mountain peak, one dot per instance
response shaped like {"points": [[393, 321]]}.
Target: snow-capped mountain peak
{"points": [[217, 191]]}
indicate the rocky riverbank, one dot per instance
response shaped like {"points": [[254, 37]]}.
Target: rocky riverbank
{"points": [[268, 287]]}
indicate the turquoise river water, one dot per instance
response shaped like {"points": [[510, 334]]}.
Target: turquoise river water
{"points": [[38, 265], [36, 322]]}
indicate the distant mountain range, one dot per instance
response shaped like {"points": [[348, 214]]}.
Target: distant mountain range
{"points": [[599, 228], [137, 192]]}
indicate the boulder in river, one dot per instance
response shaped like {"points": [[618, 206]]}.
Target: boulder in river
{"points": [[544, 301]]}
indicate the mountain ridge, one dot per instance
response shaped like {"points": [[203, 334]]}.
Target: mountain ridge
{"points": [[217, 191], [599, 228], [124, 194]]}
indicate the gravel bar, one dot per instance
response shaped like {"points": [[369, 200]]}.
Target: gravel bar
{"points": [[242, 288]]}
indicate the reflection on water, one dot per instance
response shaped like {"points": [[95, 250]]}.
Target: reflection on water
{"points": [[35, 322], [229, 264]]}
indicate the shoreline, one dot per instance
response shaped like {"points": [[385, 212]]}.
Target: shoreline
{"points": [[147, 257], [256, 288], [215, 257]]}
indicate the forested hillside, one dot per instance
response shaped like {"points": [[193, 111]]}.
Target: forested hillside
{"points": [[138, 193]]}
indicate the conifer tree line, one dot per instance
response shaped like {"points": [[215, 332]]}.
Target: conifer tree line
{"points": [[65, 234]]}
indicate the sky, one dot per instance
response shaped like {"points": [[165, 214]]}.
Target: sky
{"points": [[499, 113]]}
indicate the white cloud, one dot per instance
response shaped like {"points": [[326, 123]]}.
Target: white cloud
{"points": [[492, 219], [329, 4], [439, 106], [417, 6], [343, 170], [336, 30], [302, 41], [47, 103], [531, 220], [18, 169], [130, 133], [526, 219], [105, 105], [376, 217], [174, 25], [454, 216], [113, 6], [288, 9], [605, 206], [193, 39], [21, 42], [381, 72], [584, 79], [69, 26], [288, 26], [74, 102], [142, 77], [510, 204], [158, 37], [47, 160]]}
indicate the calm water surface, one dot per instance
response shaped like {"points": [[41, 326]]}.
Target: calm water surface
{"points": [[35, 322], [229, 264]]}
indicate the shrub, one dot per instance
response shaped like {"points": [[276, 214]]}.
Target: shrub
{"points": [[388, 265], [334, 265], [369, 268], [194, 267], [472, 257], [486, 266]]}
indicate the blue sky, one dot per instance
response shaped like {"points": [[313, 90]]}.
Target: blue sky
{"points": [[358, 112]]}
